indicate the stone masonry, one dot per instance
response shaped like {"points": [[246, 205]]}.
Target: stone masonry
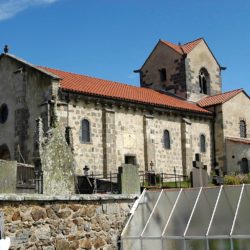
{"points": [[65, 223]]}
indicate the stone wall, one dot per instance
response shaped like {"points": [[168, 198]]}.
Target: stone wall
{"points": [[235, 152], [233, 111], [198, 58], [23, 89], [129, 136], [65, 223], [118, 131], [90, 154], [199, 127], [167, 159], [167, 58]]}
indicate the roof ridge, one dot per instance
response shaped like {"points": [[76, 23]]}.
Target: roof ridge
{"points": [[29, 64], [200, 38], [183, 48]]}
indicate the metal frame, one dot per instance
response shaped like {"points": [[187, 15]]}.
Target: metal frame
{"points": [[239, 199], [1, 225]]}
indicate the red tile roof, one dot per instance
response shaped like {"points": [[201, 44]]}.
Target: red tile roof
{"points": [[236, 140], [99, 87], [218, 99], [184, 48]]}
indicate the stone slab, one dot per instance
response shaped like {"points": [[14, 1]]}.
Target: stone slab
{"points": [[8, 173], [129, 180]]}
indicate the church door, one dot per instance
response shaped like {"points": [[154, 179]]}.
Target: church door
{"points": [[244, 166]]}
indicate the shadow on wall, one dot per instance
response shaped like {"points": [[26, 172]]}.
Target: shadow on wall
{"points": [[4, 152]]}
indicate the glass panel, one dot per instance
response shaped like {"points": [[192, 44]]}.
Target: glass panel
{"points": [[142, 214], [173, 244], [243, 219], [220, 244], [182, 212], [241, 244], [203, 212], [161, 213], [224, 214], [150, 244], [196, 245], [131, 244]]}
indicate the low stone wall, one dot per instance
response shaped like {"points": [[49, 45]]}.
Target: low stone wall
{"points": [[75, 222]]}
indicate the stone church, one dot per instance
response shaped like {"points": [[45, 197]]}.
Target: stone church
{"points": [[178, 110]]}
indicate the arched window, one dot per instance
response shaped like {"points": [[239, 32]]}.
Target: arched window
{"points": [[202, 143], [166, 139], [243, 129], [85, 130], [204, 81], [244, 166]]}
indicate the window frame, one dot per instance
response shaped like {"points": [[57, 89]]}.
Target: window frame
{"points": [[166, 139], [243, 128], [204, 76], [88, 131], [203, 148]]}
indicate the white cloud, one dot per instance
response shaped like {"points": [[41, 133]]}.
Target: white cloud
{"points": [[9, 8]]}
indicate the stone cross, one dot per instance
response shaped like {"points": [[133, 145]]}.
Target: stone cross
{"points": [[199, 174]]}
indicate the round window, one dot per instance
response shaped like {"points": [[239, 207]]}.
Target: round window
{"points": [[3, 113]]}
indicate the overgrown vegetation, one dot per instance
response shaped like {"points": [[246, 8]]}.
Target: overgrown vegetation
{"points": [[236, 179]]}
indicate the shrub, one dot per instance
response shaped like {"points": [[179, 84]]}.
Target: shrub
{"points": [[236, 179], [231, 180]]}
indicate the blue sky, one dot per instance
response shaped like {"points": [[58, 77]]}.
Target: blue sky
{"points": [[111, 38]]}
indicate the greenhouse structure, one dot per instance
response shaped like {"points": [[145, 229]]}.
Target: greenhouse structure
{"points": [[206, 218]]}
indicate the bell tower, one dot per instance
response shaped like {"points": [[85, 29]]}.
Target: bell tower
{"points": [[189, 71]]}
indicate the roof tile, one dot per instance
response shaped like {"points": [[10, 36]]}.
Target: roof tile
{"points": [[184, 48], [218, 99], [99, 87]]}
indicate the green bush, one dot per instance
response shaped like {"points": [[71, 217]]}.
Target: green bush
{"points": [[231, 180], [236, 179]]}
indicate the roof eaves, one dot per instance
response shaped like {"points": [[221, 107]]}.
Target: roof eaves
{"points": [[238, 140], [205, 112], [31, 65]]}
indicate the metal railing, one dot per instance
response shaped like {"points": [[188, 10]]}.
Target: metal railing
{"points": [[96, 183], [25, 176], [154, 179]]}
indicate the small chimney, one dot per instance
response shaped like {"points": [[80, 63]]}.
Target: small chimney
{"points": [[6, 49]]}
